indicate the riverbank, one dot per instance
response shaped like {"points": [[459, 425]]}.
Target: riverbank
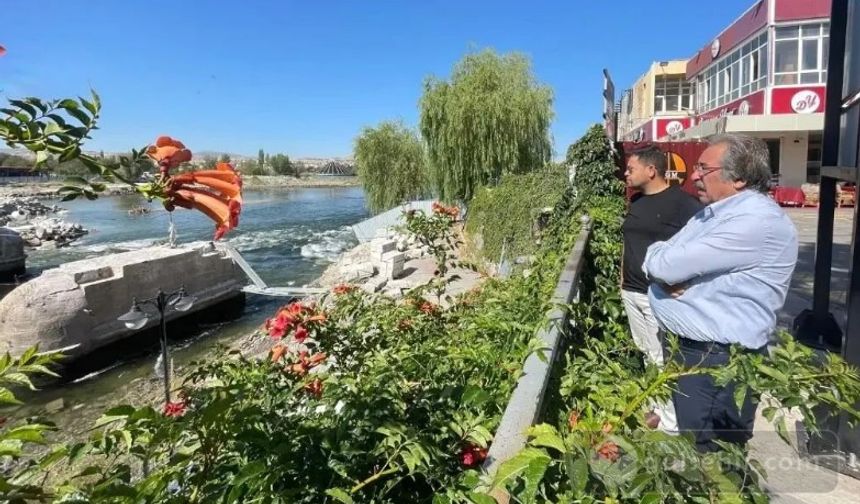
{"points": [[49, 189]]}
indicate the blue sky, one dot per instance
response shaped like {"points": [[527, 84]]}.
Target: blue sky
{"points": [[303, 78]]}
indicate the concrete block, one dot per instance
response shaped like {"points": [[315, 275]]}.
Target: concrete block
{"points": [[381, 247], [78, 303], [358, 272]]}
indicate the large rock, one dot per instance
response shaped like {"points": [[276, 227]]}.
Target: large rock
{"points": [[12, 258], [79, 302]]}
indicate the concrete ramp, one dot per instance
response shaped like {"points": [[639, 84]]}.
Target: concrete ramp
{"points": [[366, 230], [78, 303]]}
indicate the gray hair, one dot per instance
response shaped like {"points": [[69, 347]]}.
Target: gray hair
{"points": [[746, 159]]}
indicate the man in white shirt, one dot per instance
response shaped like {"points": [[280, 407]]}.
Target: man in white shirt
{"points": [[720, 281]]}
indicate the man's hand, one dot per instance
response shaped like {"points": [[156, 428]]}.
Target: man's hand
{"points": [[674, 290]]}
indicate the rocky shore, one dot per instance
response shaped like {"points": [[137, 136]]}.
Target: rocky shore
{"points": [[36, 222], [391, 263]]}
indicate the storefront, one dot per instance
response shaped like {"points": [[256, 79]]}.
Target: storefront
{"points": [[765, 76]]}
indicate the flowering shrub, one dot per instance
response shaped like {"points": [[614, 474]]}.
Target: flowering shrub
{"points": [[361, 399]]}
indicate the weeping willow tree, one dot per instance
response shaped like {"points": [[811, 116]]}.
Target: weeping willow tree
{"points": [[391, 165], [492, 118]]}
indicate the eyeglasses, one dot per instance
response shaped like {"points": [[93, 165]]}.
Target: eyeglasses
{"points": [[703, 170]]}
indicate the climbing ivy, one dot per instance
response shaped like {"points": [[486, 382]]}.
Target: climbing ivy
{"points": [[505, 215]]}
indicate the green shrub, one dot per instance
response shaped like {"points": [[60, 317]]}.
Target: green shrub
{"points": [[507, 212]]}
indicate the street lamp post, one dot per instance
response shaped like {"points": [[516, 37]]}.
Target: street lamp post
{"points": [[137, 317]]}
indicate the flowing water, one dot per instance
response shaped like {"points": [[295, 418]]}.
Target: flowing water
{"points": [[288, 237]]}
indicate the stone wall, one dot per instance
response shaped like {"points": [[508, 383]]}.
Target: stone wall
{"points": [[78, 303]]}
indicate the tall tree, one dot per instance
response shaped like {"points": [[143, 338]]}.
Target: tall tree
{"points": [[491, 118], [281, 164], [391, 165]]}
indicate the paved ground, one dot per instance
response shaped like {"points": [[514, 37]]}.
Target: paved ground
{"points": [[793, 480], [800, 296]]}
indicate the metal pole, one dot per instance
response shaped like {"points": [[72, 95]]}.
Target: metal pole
{"points": [[821, 326], [161, 303]]}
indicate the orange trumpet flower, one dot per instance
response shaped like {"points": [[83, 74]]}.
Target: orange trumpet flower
{"points": [[168, 153]]}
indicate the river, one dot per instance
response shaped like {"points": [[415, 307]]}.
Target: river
{"points": [[288, 237]]}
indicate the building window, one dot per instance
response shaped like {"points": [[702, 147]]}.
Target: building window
{"points": [[800, 54], [735, 75], [672, 94]]}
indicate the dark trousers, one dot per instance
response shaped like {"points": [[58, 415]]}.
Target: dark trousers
{"points": [[707, 410]]}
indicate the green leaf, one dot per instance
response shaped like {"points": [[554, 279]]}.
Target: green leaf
{"points": [[782, 430], [24, 106], [53, 457], [80, 115], [740, 395], [478, 498], [42, 157], [67, 104], [31, 433], [19, 379], [651, 498], [533, 476], [11, 447], [546, 436], [577, 472], [247, 473], [7, 397], [773, 373], [474, 395], [518, 465], [89, 106], [339, 495]]}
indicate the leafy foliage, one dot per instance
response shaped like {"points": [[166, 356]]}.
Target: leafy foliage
{"points": [[391, 165], [18, 481], [505, 215], [58, 129], [595, 168], [491, 118], [362, 399], [281, 165], [595, 445]]}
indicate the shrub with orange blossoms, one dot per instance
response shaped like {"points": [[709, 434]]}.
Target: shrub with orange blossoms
{"points": [[217, 193], [296, 319], [450, 211], [343, 289]]}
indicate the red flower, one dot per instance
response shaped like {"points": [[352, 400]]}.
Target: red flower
{"points": [[174, 409], [343, 289], [609, 451], [472, 455], [278, 326], [427, 307], [315, 388], [301, 334]]}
